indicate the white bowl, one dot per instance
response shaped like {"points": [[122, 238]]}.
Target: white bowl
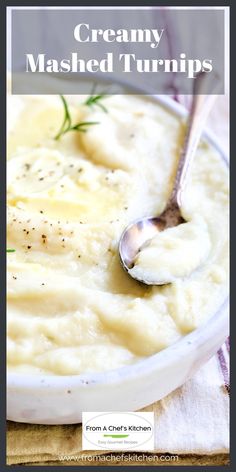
{"points": [[62, 399]]}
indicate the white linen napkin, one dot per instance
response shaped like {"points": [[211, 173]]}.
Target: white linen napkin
{"points": [[194, 419]]}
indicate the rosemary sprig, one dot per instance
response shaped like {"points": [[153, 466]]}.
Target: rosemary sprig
{"points": [[94, 100], [11, 250], [67, 122]]}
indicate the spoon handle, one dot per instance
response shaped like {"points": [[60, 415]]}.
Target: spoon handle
{"points": [[200, 108]]}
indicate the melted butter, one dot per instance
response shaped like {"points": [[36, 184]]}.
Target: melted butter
{"points": [[77, 205], [39, 123]]}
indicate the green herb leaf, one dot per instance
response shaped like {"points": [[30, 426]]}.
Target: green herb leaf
{"points": [[67, 122], [11, 250], [67, 119], [94, 100], [83, 125]]}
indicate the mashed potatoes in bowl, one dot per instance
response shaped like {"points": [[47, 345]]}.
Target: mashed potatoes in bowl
{"points": [[72, 309]]}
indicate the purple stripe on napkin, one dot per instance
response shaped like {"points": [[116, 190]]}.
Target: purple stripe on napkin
{"points": [[224, 368], [171, 41], [227, 343]]}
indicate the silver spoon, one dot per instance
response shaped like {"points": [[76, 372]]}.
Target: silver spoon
{"points": [[138, 233]]}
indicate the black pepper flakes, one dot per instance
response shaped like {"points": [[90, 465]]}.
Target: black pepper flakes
{"points": [[29, 247]]}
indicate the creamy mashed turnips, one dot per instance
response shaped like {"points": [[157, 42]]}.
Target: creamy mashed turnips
{"points": [[71, 306], [173, 253]]}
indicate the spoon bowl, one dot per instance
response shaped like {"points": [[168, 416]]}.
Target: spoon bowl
{"points": [[139, 233]]}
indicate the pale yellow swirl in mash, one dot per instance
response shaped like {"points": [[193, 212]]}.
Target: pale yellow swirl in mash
{"points": [[71, 307]]}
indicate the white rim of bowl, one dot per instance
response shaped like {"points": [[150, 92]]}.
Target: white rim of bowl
{"points": [[183, 347]]}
